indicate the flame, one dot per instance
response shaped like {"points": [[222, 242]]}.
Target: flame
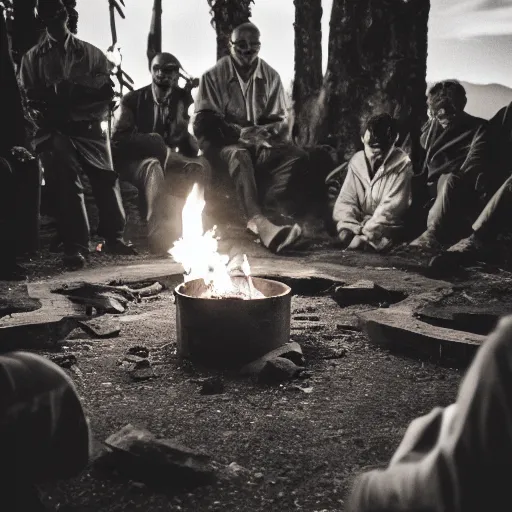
{"points": [[197, 252]]}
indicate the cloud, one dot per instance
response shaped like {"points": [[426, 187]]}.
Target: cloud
{"points": [[470, 19]]}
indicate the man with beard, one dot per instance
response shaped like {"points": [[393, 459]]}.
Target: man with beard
{"points": [[68, 84], [241, 124], [153, 149], [456, 161], [376, 192]]}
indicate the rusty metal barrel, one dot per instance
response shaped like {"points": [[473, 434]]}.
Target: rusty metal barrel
{"points": [[229, 332]]}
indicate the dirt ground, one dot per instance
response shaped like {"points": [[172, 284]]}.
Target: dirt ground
{"points": [[300, 449], [300, 443]]}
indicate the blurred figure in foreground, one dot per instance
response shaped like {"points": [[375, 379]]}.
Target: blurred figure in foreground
{"points": [[457, 458], [44, 434]]}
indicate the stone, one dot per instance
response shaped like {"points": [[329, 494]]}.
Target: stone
{"points": [[64, 360], [138, 350], [139, 455], [336, 354], [233, 471], [277, 370], [142, 370], [366, 292], [212, 386], [291, 351], [101, 327]]}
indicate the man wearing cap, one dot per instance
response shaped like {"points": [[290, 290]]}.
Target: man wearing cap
{"points": [[153, 148], [241, 125], [68, 85]]}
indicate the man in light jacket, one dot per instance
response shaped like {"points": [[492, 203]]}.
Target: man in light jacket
{"points": [[376, 193]]}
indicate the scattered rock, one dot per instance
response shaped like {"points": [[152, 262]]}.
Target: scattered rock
{"points": [[291, 351], [307, 318], [64, 360], [305, 389], [278, 370], [101, 327], [336, 354], [142, 370], [233, 471], [138, 350], [140, 456], [366, 292], [212, 386]]}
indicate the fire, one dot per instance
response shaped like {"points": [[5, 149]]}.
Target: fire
{"points": [[197, 252]]}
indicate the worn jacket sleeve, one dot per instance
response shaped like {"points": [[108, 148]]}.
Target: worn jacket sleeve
{"points": [[275, 117], [395, 202], [208, 97], [347, 212]]}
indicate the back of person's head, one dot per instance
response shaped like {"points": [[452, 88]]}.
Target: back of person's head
{"points": [[449, 95], [382, 128]]}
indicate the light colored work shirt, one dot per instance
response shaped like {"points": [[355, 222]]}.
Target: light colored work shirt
{"points": [[263, 102]]}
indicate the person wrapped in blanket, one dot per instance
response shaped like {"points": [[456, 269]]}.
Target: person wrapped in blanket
{"points": [[376, 193], [68, 86]]}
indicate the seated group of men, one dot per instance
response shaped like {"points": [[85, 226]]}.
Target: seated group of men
{"points": [[240, 127], [465, 181]]}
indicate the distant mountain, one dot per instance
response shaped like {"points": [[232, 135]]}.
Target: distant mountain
{"points": [[485, 100]]}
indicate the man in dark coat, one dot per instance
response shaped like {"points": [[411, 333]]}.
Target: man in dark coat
{"points": [[155, 152], [456, 163], [13, 154], [67, 82]]}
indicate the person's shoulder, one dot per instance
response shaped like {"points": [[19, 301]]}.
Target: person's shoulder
{"points": [[476, 121], [267, 69], [222, 66], [88, 46], [132, 96], [38, 49], [357, 159]]}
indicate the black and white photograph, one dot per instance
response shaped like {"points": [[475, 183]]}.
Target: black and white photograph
{"points": [[255, 255]]}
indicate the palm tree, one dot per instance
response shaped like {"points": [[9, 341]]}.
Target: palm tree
{"points": [[308, 71], [226, 15]]}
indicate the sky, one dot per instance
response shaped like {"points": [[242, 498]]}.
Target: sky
{"points": [[470, 40]]}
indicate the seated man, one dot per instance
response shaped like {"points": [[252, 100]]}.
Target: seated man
{"points": [[456, 159], [493, 219], [377, 189], [68, 84], [44, 435], [241, 125], [457, 458], [151, 141]]}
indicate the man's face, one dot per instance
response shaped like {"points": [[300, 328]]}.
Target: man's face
{"points": [[375, 149], [445, 114], [164, 72], [54, 16], [245, 46]]}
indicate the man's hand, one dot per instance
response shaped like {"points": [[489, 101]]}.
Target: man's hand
{"points": [[22, 154]]}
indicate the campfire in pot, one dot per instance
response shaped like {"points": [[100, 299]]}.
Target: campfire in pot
{"points": [[197, 252]]}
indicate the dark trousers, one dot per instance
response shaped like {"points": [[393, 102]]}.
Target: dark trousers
{"points": [[66, 165], [495, 217], [266, 179], [7, 213], [456, 206]]}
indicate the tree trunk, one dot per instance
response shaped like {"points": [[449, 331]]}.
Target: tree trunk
{"points": [[377, 63], [227, 15], [308, 71]]}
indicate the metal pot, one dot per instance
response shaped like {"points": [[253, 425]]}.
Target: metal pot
{"points": [[226, 333]]}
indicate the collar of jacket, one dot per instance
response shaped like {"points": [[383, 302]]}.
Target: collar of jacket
{"points": [[258, 73], [395, 161], [48, 43]]}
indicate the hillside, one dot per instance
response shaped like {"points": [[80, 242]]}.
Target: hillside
{"points": [[485, 100]]}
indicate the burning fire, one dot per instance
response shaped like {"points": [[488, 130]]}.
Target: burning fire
{"points": [[197, 252]]}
